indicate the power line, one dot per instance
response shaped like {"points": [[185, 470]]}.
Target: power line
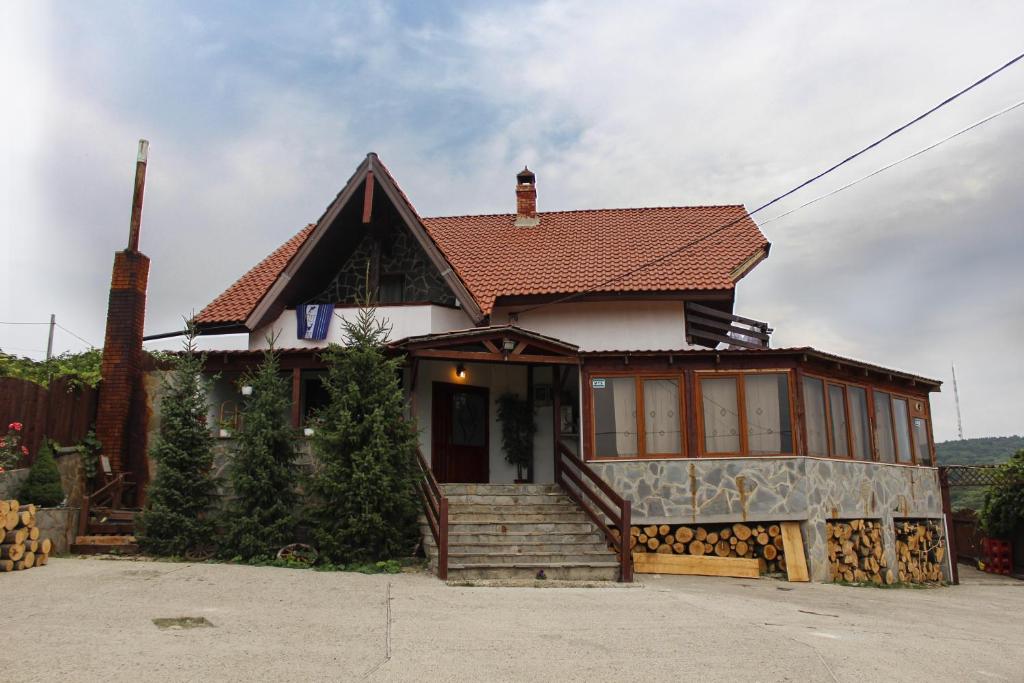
{"points": [[4, 322], [897, 162], [86, 341], [822, 174]]}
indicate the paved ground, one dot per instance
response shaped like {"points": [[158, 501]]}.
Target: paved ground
{"points": [[85, 620]]}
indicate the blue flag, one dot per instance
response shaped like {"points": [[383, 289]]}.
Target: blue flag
{"points": [[314, 320]]}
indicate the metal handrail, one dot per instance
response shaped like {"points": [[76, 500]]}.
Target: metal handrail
{"points": [[435, 507], [618, 512]]}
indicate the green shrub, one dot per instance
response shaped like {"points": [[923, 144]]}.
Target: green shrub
{"points": [[1003, 513], [43, 486]]}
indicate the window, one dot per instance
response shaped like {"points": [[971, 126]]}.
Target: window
{"points": [[764, 426], [661, 416], [924, 451], [614, 416], [637, 416], [814, 416], [721, 415], [901, 421], [883, 427], [859, 429], [391, 289], [837, 412], [769, 428]]}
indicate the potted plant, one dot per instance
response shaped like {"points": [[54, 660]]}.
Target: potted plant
{"points": [[517, 431], [1003, 515]]}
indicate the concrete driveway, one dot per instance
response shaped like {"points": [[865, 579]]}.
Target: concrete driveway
{"points": [[85, 620]]}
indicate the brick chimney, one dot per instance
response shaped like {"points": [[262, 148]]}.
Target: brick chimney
{"points": [[526, 199], [121, 394]]}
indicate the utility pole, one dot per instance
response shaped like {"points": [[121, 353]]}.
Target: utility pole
{"points": [[49, 342], [956, 397]]}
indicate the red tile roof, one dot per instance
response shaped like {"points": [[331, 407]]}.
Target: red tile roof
{"points": [[578, 251], [569, 252], [238, 300]]}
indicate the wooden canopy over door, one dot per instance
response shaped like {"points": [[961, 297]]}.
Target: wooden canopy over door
{"points": [[459, 433]]}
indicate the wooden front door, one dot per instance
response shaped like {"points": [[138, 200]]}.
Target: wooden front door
{"points": [[459, 433]]}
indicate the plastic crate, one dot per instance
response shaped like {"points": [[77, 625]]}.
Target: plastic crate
{"points": [[998, 556]]}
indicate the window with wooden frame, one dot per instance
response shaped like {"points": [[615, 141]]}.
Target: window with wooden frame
{"points": [[745, 413], [836, 418], [637, 415]]}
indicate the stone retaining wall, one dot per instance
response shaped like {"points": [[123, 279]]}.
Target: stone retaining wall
{"points": [[809, 490]]}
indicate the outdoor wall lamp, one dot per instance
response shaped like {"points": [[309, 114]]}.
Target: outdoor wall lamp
{"points": [[508, 345], [247, 390], [460, 371], [308, 431]]}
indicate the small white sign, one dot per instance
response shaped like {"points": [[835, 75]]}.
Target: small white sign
{"points": [[597, 383]]}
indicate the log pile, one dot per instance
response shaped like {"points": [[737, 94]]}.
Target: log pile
{"points": [[21, 546], [856, 553], [760, 541], [920, 551]]}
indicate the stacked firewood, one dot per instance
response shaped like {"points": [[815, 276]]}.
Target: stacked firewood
{"points": [[21, 546], [920, 550], [856, 552], [755, 541]]}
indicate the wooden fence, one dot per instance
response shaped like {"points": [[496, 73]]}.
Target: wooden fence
{"points": [[61, 411]]}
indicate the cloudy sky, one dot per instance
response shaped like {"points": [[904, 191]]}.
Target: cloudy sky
{"points": [[257, 114]]}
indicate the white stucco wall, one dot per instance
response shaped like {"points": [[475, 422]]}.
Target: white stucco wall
{"points": [[608, 326], [498, 379], [405, 321]]}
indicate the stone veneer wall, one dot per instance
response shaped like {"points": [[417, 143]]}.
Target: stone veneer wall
{"points": [[401, 256], [809, 490]]}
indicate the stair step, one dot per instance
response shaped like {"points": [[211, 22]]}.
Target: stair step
{"points": [[105, 539], [483, 527], [115, 528], [516, 538], [113, 515], [512, 548], [455, 516], [495, 489], [604, 571], [509, 499], [533, 509], [552, 559]]}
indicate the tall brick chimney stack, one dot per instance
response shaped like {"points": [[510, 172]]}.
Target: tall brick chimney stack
{"points": [[526, 199], [121, 391]]}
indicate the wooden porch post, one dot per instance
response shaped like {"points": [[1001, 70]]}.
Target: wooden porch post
{"points": [[296, 397], [556, 410]]}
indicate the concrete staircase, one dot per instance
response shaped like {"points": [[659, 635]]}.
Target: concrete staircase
{"points": [[515, 531]]}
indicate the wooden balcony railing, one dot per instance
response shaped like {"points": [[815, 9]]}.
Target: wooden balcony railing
{"points": [[710, 326], [109, 495], [435, 507], [586, 489]]}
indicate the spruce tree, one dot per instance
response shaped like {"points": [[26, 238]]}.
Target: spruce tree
{"points": [[42, 487], [260, 518], [176, 518], [363, 496]]}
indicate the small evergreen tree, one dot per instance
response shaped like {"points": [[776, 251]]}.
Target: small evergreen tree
{"points": [[364, 505], [260, 518], [42, 487], [176, 519]]}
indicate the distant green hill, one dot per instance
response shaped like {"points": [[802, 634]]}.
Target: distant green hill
{"points": [[990, 450]]}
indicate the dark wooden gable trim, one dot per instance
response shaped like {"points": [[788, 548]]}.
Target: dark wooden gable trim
{"points": [[376, 176]]}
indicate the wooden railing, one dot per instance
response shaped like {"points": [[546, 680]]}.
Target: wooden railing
{"points": [[108, 495], [585, 487], [709, 324], [435, 506]]}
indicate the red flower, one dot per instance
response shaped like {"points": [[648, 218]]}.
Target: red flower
{"points": [[24, 450], [16, 426]]}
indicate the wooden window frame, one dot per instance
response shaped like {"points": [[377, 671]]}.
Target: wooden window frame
{"points": [[910, 428], [869, 399], [641, 423], [741, 409]]}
